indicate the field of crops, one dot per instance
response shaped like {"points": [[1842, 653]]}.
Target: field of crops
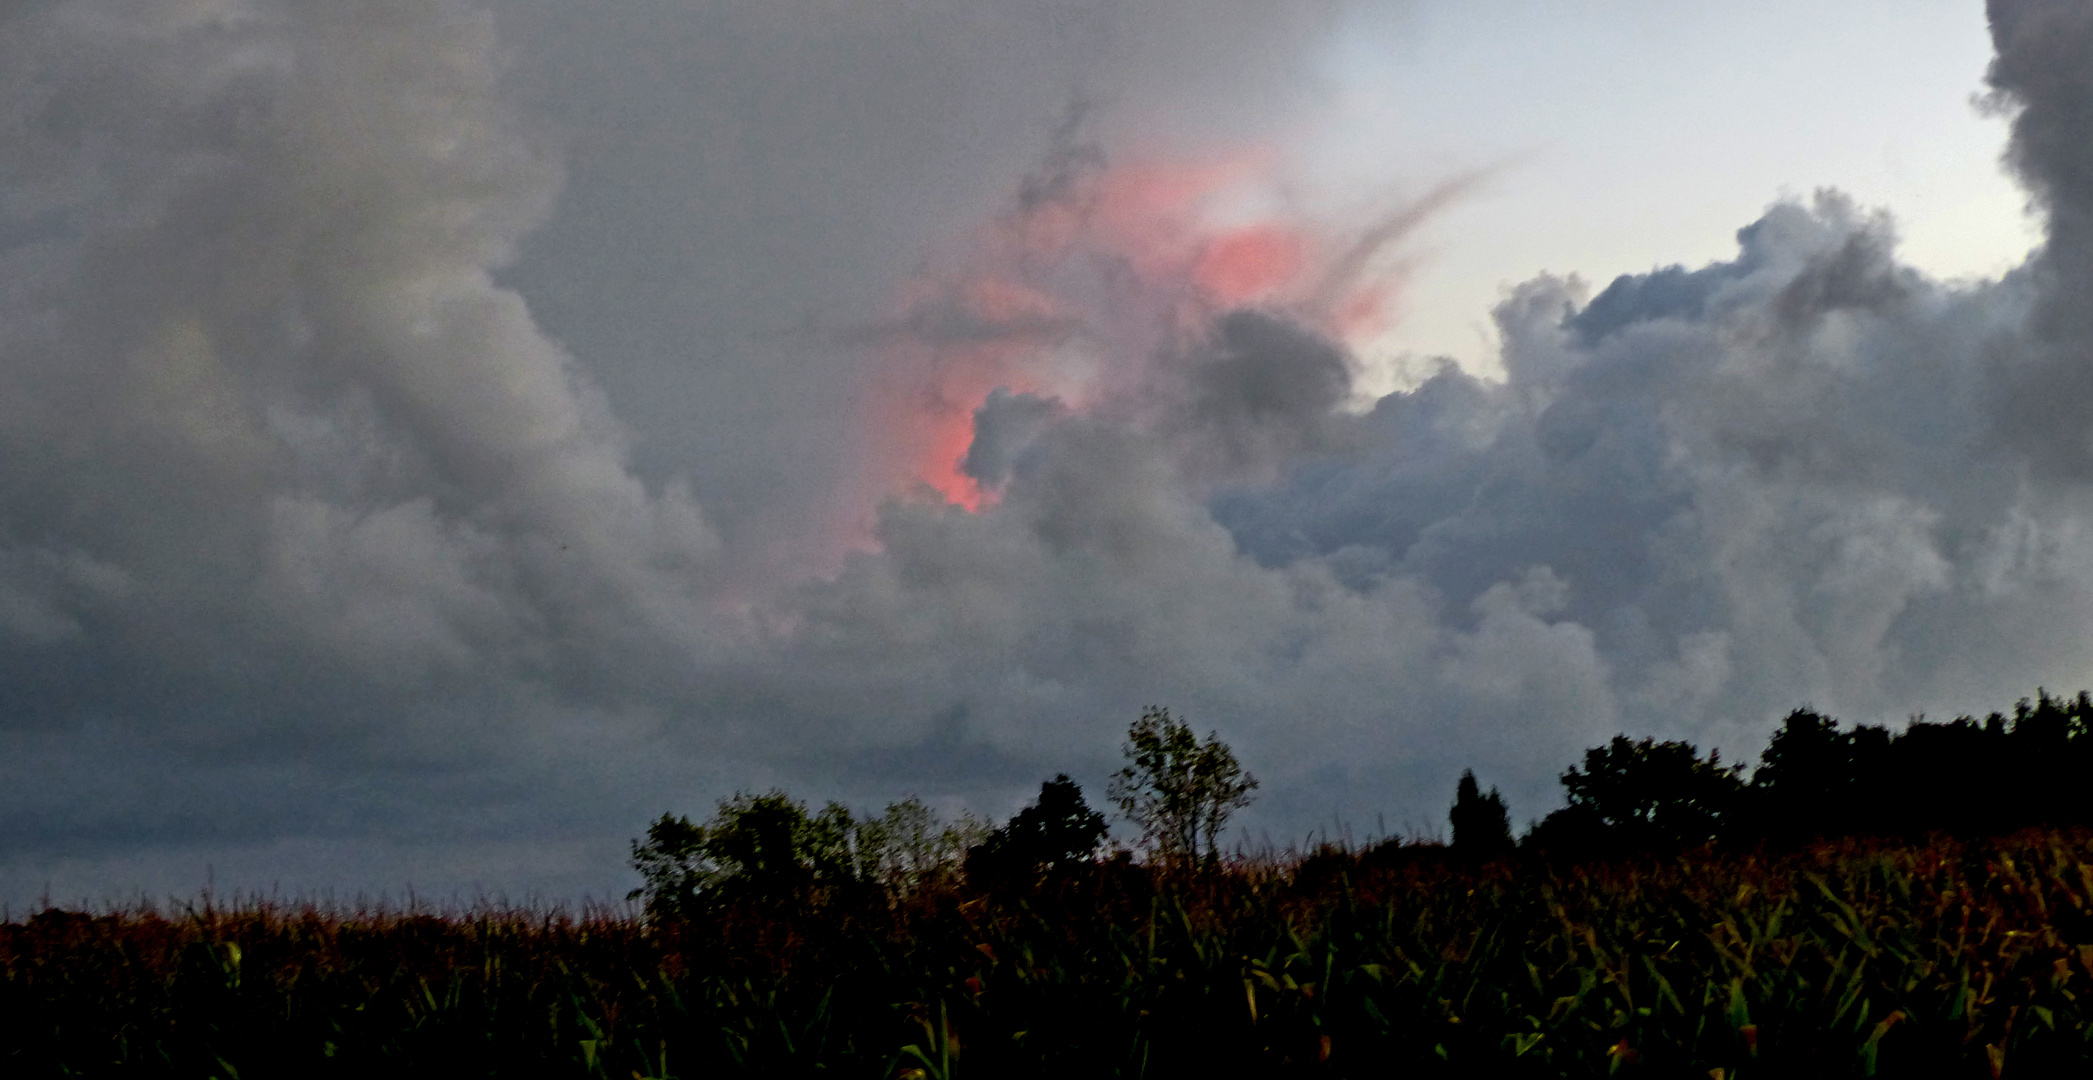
{"points": [[1945, 959]]}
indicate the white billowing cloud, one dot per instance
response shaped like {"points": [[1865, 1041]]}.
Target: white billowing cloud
{"points": [[310, 536]]}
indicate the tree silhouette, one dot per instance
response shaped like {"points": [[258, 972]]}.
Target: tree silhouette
{"points": [[1814, 780], [1805, 777], [1057, 831], [759, 847], [1481, 827], [1642, 795], [1966, 776], [1177, 789]]}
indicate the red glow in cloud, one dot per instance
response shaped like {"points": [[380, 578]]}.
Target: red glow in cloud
{"points": [[1250, 264], [1013, 320], [953, 343], [1152, 211], [1166, 219], [1134, 261], [948, 434], [943, 430]]}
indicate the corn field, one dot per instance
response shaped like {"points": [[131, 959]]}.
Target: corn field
{"points": [[1943, 959]]}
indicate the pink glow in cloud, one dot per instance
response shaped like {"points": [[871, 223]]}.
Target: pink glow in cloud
{"points": [[1122, 265]]}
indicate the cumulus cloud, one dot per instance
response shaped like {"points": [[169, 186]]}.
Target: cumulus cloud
{"points": [[2039, 79], [278, 453], [1697, 499], [313, 540]]}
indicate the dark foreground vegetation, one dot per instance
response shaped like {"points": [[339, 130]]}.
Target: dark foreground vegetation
{"points": [[1910, 904], [1948, 958]]}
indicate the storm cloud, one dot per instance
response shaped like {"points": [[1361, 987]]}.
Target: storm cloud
{"points": [[340, 545]]}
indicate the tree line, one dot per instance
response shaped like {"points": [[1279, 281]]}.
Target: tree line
{"points": [[1814, 780], [1177, 791]]}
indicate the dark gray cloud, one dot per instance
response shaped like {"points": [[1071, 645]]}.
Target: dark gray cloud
{"points": [[1004, 427], [417, 428], [2038, 76], [1263, 390]]}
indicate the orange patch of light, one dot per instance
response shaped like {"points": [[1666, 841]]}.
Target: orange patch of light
{"points": [[942, 424], [1156, 216], [1249, 264], [1150, 211], [949, 437]]}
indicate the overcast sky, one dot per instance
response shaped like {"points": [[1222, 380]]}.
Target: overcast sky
{"points": [[437, 437]]}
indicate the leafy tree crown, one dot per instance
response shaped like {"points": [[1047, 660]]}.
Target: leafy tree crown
{"points": [[1664, 791], [1176, 789], [1058, 830]]}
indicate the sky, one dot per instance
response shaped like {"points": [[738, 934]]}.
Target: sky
{"points": [[436, 438]]}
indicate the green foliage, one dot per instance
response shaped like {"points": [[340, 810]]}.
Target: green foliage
{"points": [[907, 847], [772, 846], [675, 865], [1176, 789], [768, 847], [780, 942], [762, 846]]}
